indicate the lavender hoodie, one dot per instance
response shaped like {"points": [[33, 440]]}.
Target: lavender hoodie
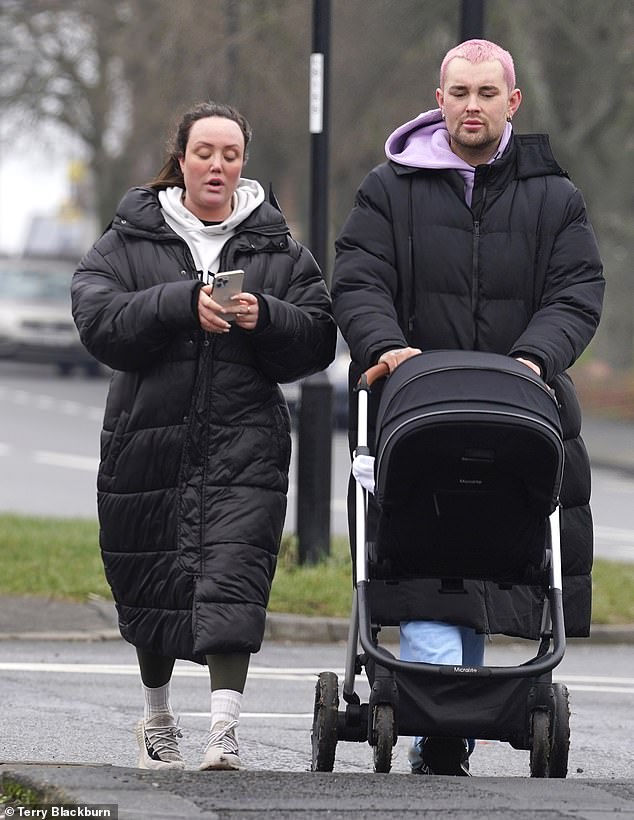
{"points": [[424, 143]]}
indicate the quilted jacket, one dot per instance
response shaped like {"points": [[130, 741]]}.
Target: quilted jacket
{"points": [[195, 446], [518, 273]]}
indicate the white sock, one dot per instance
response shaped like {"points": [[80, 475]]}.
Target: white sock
{"points": [[157, 701], [225, 705]]}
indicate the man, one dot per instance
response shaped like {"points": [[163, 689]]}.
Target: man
{"points": [[472, 237]]}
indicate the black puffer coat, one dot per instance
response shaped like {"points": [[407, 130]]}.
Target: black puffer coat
{"points": [[516, 273], [195, 446]]}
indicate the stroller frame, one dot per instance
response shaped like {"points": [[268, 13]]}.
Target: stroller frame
{"points": [[523, 705]]}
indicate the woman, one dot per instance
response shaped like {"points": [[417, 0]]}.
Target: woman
{"points": [[195, 446]]}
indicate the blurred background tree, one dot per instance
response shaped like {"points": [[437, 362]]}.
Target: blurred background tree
{"points": [[115, 77]]}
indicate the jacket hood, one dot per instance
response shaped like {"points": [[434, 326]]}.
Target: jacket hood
{"points": [[206, 241], [424, 143], [141, 213], [248, 195]]}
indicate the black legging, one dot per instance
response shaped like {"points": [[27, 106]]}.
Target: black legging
{"points": [[225, 671]]}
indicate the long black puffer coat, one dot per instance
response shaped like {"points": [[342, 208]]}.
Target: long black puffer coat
{"points": [[517, 273], [195, 446]]}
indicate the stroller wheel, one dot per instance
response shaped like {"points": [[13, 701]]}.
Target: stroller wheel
{"points": [[560, 742], [540, 743], [550, 741], [383, 731], [324, 732]]}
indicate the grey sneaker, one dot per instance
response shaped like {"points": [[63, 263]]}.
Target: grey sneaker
{"points": [[221, 752], [158, 743]]}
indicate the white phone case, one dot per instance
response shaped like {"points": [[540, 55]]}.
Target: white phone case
{"points": [[226, 285]]}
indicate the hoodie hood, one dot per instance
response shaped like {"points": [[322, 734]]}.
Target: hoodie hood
{"points": [[206, 241], [424, 143]]}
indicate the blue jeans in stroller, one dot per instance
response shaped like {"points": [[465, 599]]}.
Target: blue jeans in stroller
{"points": [[439, 643]]}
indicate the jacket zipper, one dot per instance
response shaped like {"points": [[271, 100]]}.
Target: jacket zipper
{"points": [[475, 267], [411, 307]]}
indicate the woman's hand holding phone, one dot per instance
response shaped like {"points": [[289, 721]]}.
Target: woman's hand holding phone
{"points": [[225, 302]]}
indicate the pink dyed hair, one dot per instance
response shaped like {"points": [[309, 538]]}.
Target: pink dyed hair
{"points": [[480, 51]]}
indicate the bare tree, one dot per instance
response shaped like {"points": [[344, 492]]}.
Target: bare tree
{"points": [[116, 75], [575, 61]]}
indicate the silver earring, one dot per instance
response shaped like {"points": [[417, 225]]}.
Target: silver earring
{"points": [[442, 113]]}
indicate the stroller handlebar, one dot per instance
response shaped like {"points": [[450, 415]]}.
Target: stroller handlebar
{"points": [[372, 375]]}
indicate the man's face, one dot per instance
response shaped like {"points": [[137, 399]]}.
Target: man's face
{"points": [[476, 102]]}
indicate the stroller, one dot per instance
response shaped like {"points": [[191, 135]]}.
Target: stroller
{"points": [[468, 468]]}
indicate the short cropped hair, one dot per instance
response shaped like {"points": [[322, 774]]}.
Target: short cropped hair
{"points": [[480, 51]]}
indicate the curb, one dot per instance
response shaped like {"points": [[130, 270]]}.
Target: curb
{"points": [[303, 629], [286, 628], [62, 635]]}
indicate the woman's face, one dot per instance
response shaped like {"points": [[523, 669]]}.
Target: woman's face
{"points": [[211, 167]]}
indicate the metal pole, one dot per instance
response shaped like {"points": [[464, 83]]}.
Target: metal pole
{"points": [[472, 20], [231, 48], [314, 445], [319, 131], [314, 468]]}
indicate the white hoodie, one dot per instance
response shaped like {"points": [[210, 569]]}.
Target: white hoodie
{"points": [[206, 241]]}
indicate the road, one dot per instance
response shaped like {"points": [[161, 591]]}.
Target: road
{"points": [[92, 691], [49, 448]]}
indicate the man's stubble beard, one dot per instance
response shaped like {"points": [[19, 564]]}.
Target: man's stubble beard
{"points": [[479, 143]]}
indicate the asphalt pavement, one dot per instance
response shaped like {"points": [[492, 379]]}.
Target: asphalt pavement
{"points": [[148, 796]]}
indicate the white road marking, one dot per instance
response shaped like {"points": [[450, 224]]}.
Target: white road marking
{"points": [[45, 402], [51, 459], [614, 534], [613, 690], [261, 672], [579, 683], [274, 715]]}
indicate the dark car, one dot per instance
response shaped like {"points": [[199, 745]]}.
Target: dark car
{"points": [[36, 324]]}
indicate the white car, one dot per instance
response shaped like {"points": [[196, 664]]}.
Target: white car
{"points": [[36, 324]]}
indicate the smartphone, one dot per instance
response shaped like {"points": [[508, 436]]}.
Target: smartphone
{"points": [[227, 284]]}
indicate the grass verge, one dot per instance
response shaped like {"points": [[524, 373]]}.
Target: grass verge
{"points": [[59, 558]]}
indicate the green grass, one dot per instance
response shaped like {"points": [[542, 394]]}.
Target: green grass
{"points": [[59, 558], [324, 588], [613, 592]]}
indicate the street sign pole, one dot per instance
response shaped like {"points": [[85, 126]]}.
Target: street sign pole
{"points": [[314, 446], [472, 20]]}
